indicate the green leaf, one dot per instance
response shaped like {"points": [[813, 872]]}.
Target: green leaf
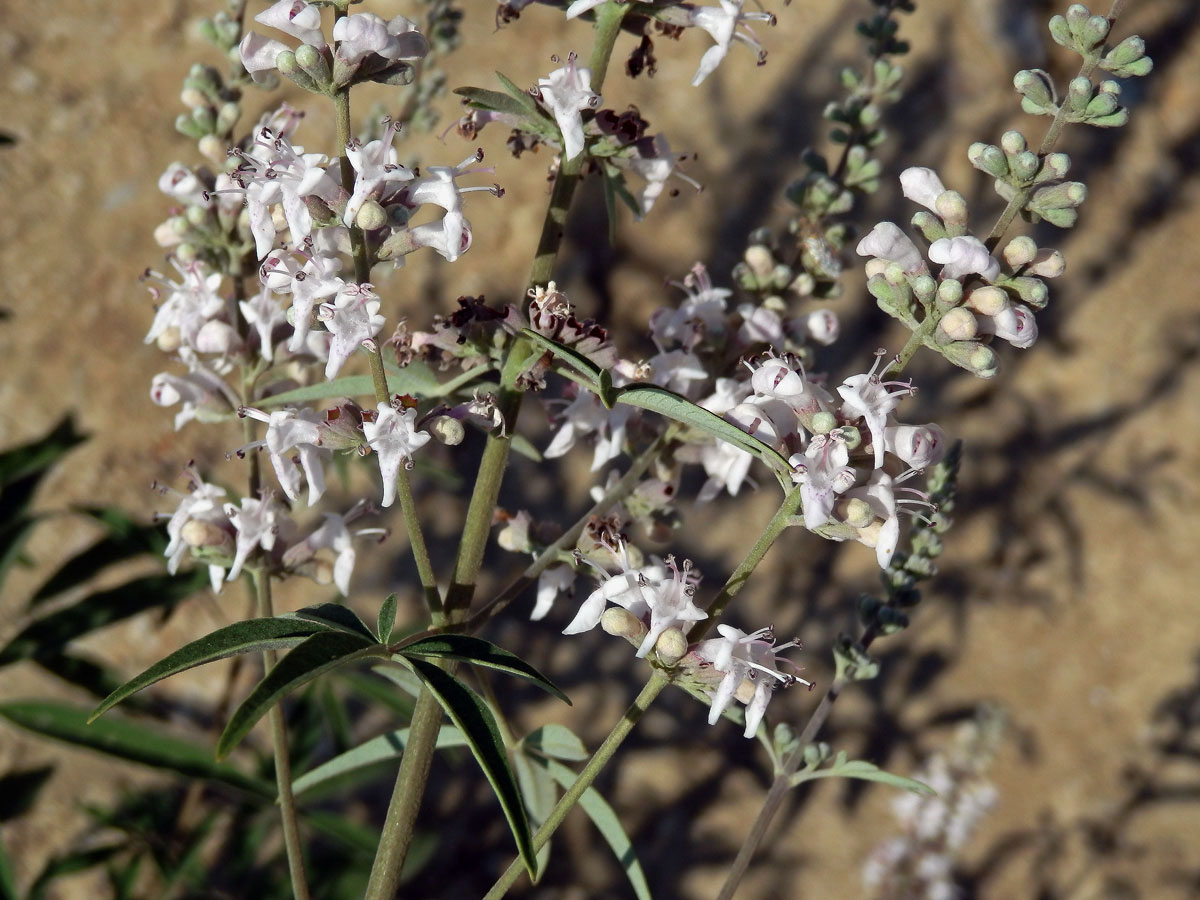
{"points": [[387, 619], [863, 770], [521, 444], [130, 741], [609, 825], [379, 749], [522, 97], [240, 637], [464, 648], [316, 655], [125, 538], [555, 741], [473, 718], [588, 369], [493, 101], [49, 634], [673, 406], [335, 616]]}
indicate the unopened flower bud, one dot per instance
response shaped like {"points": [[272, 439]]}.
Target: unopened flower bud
{"points": [[198, 533], [622, 623], [760, 260], [186, 252], [213, 148], [1013, 142], [949, 292], [1025, 165], [822, 326], [858, 513], [958, 324], [192, 97], [987, 301], [976, 358], [671, 646], [1048, 264], [804, 284], [852, 436], [823, 423], [924, 287], [313, 62], [227, 116], [169, 340], [446, 429], [1020, 251], [988, 158], [371, 216], [952, 208]]}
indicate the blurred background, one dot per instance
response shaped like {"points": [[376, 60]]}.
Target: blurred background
{"points": [[1067, 593]]}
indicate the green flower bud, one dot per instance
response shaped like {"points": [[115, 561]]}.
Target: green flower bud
{"points": [[448, 430], [852, 437], [1013, 142], [227, 116], [1066, 194], [187, 126], [1037, 91], [760, 259], [803, 285], [976, 358], [196, 216], [1025, 165], [781, 276], [949, 293], [924, 287], [1060, 218], [858, 513], [205, 119], [1032, 291], [1129, 50], [929, 225], [1093, 32], [622, 623], [1079, 92], [988, 158], [823, 423], [313, 62], [1054, 167]]}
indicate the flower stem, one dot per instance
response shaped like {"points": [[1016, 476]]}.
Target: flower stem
{"points": [[427, 716], [1021, 197], [283, 765], [652, 689], [615, 494]]}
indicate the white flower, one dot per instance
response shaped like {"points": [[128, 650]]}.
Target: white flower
{"points": [[313, 282], [867, 397], [744, 659], [375, 167], [628, 589], [363, 33], [585, 415], [181, 183], [700, 313], [962, 256], [352, 318], [255, 522], [201, 392], [264, 314], [203, 503], [289, 429], [190, 304], [879, 494], [394, 438], [887, 241], [579, 7], [722, 25], [671, 605], [566, 92], [438, 186], [918, 445], [655, 162], [1014, 324], [333, 535], [553, 581], [823, 473], [922, 186], [726, 467]]}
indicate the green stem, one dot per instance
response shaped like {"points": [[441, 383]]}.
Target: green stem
{"points": [[427, 717], [1014, 206], [397, 832], [599, 759], [779, 522], [552, 553], [283, 765]]}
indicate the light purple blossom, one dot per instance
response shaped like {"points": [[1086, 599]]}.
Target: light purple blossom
{"points": [[567, 92], [745, 660], [394, 438]]}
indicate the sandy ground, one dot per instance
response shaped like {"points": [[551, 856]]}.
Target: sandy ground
{"points": [[1064, 599]]}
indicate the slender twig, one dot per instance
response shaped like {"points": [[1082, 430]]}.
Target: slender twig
{"points": [[587, 775], [283, 765], [427, 716]]}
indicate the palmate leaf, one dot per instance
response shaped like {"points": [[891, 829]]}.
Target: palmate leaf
{"points": [[49, 634], [130, 741], [476, 723], [377, 750], [464, 648], [317, 654], [240, 637]]}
